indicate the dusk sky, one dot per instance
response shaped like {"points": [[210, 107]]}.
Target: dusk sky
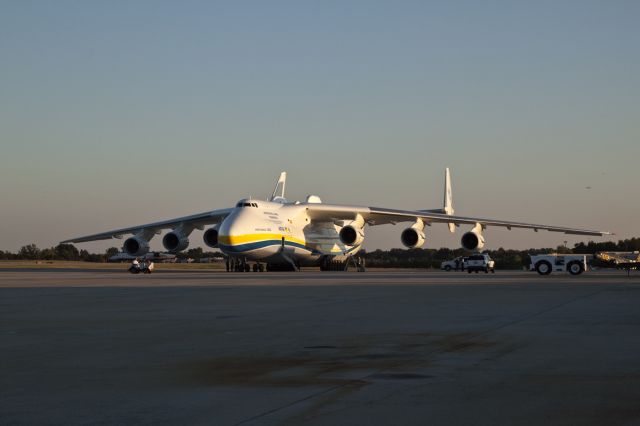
{"points": [[119, 113]]}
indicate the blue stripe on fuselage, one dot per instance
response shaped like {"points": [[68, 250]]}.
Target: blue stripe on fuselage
{"points": [[241, 248]]}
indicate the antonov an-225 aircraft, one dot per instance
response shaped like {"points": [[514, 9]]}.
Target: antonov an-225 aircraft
{"points": [[285, 235]]}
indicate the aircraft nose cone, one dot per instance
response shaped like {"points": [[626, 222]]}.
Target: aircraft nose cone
{"points": [[225, 231], [229, 235]]}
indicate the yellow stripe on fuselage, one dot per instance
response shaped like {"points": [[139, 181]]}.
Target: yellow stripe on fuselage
{"points": [[233, 240]]}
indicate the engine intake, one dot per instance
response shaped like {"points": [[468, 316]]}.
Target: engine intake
{"points": [[210, 237], [175, 242], [351, 236], [473, 240], [135, 246], [412, 238]]}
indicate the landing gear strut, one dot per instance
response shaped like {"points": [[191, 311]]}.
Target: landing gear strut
{"points": [[358, 262], [329, 264], [233, 264]]}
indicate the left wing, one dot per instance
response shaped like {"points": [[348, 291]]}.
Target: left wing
{"points": [[380, 216], [150, 229]]}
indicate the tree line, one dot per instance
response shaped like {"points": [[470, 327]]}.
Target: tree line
{"points": [[394, 258], [70, 252], [59, 252]]}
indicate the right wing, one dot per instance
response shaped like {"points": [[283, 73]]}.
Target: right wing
{"points": [[150, 229], [381, 216]]}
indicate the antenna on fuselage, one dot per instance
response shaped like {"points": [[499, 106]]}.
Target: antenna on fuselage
{"points": [[278, 191]]}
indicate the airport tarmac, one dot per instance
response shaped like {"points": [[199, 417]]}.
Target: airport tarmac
{"points": [[375, 348]]}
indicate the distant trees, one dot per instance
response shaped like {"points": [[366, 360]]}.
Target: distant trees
{"points": [[592, 247], [68, 252], [198, 253], [111, 251], [31, 252], [59, 252]]}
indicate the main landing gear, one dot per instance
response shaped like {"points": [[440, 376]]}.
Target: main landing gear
{"points": [[330, 264], [234, 264], [240, 265]]}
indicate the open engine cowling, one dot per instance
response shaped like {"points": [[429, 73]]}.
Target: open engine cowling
{"points": [[412, 238], [135, 246], [351, 235], [174, 242], [210, 237], [473, 240]]}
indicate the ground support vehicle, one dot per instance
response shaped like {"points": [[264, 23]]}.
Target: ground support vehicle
{"points": [[456, 264], [480, 262], [142, 267], [544, 264]]}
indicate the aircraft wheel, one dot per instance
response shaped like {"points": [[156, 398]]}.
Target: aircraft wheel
{"points": [[260, 267], [255, 267]]}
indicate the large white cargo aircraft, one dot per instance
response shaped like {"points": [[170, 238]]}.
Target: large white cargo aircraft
{"points": [[286, 235]]}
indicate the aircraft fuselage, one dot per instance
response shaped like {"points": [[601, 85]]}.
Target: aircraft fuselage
{"points": [[274, 232]]}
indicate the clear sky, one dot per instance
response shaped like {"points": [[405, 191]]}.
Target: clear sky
{"points": [[118, 113]]}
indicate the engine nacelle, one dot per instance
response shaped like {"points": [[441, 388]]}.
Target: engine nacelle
{"points": [[473, 240], [175, 242], [412, 238], [351, 235], [210, 237], [135, 246]]}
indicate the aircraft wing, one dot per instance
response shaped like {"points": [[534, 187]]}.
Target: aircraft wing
{"points": [[380, 216], [194, 221]]}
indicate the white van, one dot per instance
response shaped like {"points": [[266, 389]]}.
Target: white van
{"points": [[480, 262], [456, 264]]}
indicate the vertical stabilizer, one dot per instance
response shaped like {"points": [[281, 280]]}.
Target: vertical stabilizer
{"points": [[448, 198], [278, 191]]}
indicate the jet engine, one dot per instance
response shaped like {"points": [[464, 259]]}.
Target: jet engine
{"points": [[351, 236], [210, 237], [473, 240], [412, 238], [175, 241], [352, 233], [135, 246]]}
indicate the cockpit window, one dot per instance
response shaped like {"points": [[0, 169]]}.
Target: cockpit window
{"points": [[243, 204]]}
